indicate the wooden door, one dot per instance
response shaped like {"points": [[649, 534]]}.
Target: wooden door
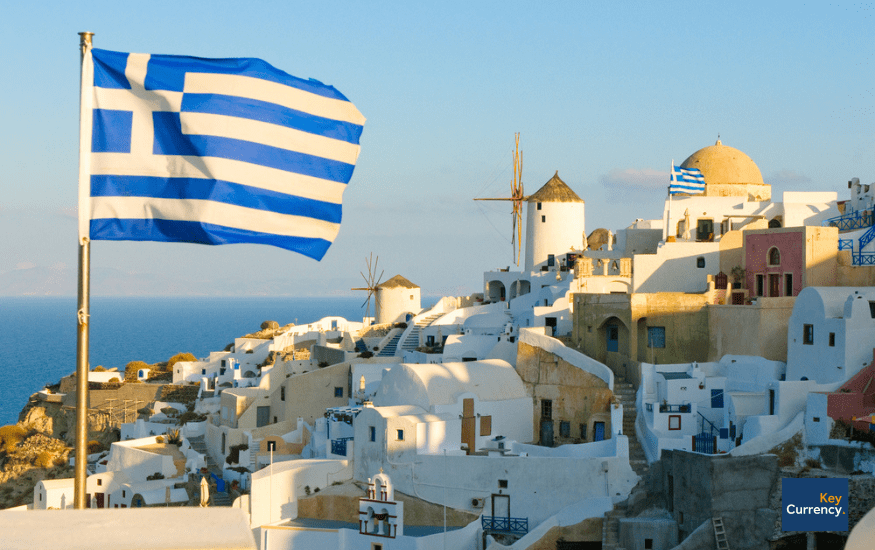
{"points": [[774, 284], [469, 424]]}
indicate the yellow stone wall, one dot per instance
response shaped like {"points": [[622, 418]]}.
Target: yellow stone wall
{"points": [[578, 397]]}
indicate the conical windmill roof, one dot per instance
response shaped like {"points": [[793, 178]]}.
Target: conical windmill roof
{"points": [[396, 282], [554, 190]]}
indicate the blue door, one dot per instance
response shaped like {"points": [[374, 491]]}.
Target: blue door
{"points": [[547, 433], [599, 431], [612, 335]]}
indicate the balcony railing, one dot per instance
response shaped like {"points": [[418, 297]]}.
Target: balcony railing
{"points": [[517, 526], [666, 408], [846, 244], [854, 220], [863, 258], [338, 446]]}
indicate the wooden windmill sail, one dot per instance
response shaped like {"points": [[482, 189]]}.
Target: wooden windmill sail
{"points": [[516, 196], [372, 283]]}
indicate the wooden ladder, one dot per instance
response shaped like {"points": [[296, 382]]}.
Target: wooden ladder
{"points": [[720, 534]]}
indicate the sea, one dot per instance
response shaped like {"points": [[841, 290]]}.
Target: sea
{"points": [[38, 334]]}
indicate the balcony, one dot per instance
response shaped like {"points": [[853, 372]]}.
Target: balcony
{"points": [[495, 524], [667, 408]]}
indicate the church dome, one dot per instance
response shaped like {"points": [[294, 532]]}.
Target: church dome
{"points": [[721, 164]]}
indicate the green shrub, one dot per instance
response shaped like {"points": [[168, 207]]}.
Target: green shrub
{"points": [[156, 475], [93, 446], [44, 460], [190, 416], [234, 453], [366, 354]]}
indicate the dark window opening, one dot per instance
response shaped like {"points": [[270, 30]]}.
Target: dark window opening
{"points": [[543, 219], [282, 393], [400, 435], [760, 284], [372, 433], [700, 262], [546, 408], [774, 256], [872, 309], [788, 284], [648, 544], [808, 335], [338, 392], [502, 484], [832, 339], [583, 431], [565, 429], [539, 206]]}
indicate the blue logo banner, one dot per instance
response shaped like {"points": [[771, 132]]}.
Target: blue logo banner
{"points": [[814, 504]]}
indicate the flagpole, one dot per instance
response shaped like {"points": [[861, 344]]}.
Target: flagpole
{"points": [[81, 457]]}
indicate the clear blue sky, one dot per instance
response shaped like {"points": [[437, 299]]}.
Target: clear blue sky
{"points": [[606, 94]]}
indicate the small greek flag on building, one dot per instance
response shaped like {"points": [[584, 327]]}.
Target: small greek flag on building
{"points": [[686, 181], [212, 151]]}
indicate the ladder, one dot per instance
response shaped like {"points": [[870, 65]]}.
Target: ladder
{"points": [[720, 534]]}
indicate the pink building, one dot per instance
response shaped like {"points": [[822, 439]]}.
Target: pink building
{"points": [[782, 261]]}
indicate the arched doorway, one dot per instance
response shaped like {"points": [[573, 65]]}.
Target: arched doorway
{"points": [[495, 291]]}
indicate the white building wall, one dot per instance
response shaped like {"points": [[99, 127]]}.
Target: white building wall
{"points": [[562, 229], [675, 268], [393, 304], [139, 463]]}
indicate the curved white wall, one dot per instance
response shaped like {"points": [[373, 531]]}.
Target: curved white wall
{"points": [[562, 228], [394, 303]]}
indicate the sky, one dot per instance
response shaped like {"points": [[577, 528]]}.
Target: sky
{"points": [[607, 93]]}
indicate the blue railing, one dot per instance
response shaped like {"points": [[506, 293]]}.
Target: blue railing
{"points": [[854, 220], [665, 408], [711, 424], [516, 526], [846, 244], [338, 446], [863, 258]]}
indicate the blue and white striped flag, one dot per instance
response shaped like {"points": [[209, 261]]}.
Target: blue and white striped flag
{"points": [[212, 151], [686, 181]]}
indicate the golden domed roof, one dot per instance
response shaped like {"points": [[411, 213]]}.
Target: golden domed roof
{"points": [[721, 164]]}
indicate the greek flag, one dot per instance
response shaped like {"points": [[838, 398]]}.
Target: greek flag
{"points": [[212, 151], [686, 181]]}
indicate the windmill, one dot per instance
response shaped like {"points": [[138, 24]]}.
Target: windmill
{"points": [[517, 197], [372, 283]]}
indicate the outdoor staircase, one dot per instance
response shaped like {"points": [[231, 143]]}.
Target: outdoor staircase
{"points": [[611, 529], [391, 346], [720, 534], [625, 392], [198, 444], [253, 455], [412, 341]]}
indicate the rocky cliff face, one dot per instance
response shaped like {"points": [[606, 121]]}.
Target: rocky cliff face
{"points": [[40, 445]]}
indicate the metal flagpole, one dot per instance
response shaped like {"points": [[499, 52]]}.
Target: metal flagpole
{"points": [[84, 274]]}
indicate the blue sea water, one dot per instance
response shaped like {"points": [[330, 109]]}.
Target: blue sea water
{"points": [[38, 334]]}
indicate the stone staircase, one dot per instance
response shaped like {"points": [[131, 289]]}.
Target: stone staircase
{"points": [[412, 341], [199, 445], [611, 529], [625, 392], [391, 346]]}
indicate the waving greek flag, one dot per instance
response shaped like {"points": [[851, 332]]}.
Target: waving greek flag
{"points": [[212, 151], [686, 181]]}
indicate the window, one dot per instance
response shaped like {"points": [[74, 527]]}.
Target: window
{"points": [[546, 408], [203, 371], [583, 431], [760, 284], [872, 309], [338, 392], [808, 335], [372, 433], [543, 219], [376, 546], [486, 425], [565, 429], [502, 484], [539, 206], [832, 339], [816, 419], [717, 399], [99, 481], [551, 260], [705, 230], [674, 422], [282, 393], [700, 262], [774, 256], [648, 544], [655, 337], [788, 284], [271, 446], [612, 333], [399, 435]]}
